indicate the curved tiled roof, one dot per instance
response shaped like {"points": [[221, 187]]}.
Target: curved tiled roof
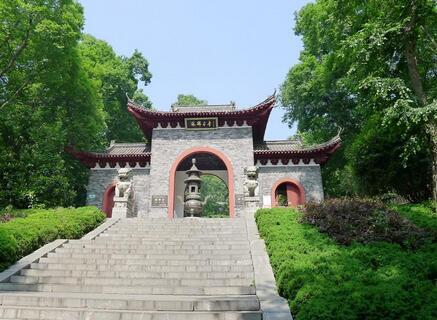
{"points": [[128, 148], [256, 116], [286, 150], [116, 153], [268, 150]]}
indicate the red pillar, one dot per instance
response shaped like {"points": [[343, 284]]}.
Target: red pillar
{"points": [[108, 201]]}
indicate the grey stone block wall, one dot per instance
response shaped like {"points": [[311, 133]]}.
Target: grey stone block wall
{"points": [[309, 176], [167, 144], [100, 180], [235, 142], [141, 185]]}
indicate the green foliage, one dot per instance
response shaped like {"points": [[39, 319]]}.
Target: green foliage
{"points": [[22, 236], [282, 200], [58, 87], [376, 155], [46, 102], [349, 220], [186, 100], [8, 214], [424, 215], [361, 59], [115, 76], [215, 194], [324, 280]]}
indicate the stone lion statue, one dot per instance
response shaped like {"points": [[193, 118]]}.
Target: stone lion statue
{"points": [[123, 186], [251, 188]]}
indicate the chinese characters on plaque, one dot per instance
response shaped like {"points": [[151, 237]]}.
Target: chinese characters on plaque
{"points": [[159, 201], [201, 123]]}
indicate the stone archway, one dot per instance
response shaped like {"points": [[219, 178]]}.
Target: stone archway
{"points": [[191, 153], [108, 200], [293, 191]]}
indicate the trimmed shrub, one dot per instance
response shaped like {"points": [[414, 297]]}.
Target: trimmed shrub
{"points": [[363, 220], [324, 280], [21, 236]]}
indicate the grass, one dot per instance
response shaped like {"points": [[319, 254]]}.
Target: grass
{"points": [[325, 280], [423, 215], [23, 235]]}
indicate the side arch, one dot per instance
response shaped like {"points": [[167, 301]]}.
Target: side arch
{"points": [[300, 191], [189, 152], [108, 200]]}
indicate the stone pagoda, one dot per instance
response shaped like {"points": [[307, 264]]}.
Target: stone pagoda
{"points": [[193, 201]]}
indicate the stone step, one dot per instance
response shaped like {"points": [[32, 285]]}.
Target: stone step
{"points": [[142, 268], [154, 251], [136, 274], [130, 302], [172, 235], [167, 237], [155, 262], [170, 225], [157, 244], [185, 221], [153, 282], [191, 242], [199, 231], [167, 290], [148, 256], [35, 313]]}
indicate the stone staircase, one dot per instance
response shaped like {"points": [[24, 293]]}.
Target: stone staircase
{"points": [[148, 269]]}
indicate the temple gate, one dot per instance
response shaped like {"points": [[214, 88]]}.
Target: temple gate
{"points": [[227, 142]]}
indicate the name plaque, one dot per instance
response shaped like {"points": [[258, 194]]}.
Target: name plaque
{"points": [[201, 123], [159, 201]]}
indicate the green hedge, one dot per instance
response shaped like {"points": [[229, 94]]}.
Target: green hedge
{"points": [[324, 280], [21, 236]]}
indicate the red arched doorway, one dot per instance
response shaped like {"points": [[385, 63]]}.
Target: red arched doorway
{"points": [[190, 152], [287, 192], [108, 200]]}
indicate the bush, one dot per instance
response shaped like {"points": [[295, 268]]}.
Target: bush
{"points": [[21, 236], [363, 220], [324, 280], [8, 214]]}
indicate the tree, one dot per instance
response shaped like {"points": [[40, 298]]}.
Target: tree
{"points": [[58, 88], [46, 102], [115, 76], [215, 194], [185, 100], [362, 59]]}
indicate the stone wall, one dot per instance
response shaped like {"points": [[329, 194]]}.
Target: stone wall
{"points": [[235, 142], [100, 180], [308, 175]]}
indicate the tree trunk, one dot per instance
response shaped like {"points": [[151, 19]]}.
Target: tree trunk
{"points": [[432, 131], [413, 71], [416, 84]]}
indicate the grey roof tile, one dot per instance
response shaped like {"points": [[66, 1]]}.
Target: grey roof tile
{"points": [[128, 148]]}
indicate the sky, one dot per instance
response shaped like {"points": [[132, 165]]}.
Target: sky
{"points": [[219, 51]]}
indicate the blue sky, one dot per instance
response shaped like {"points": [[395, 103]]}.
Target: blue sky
{"points": [[239, 50]]}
